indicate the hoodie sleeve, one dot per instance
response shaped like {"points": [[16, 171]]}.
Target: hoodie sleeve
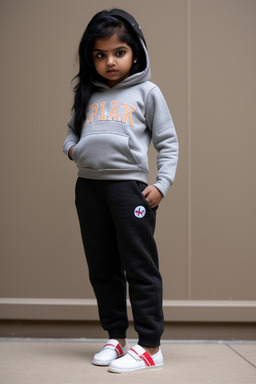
{"points": [[71, 137], [164, 138]]}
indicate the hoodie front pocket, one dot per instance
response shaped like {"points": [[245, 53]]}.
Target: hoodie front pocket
{"points": [[104, 150]]}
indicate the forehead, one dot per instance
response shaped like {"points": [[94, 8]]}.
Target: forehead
{"points": [[109, 43]]}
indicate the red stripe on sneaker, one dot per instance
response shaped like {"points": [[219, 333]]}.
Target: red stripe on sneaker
{"points": [[119, 350], [111, 345], [146, 357], [135, 351]]}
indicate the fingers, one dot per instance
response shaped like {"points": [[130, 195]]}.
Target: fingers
{"points": [[153, 195], [70, 152], [146, 191]]}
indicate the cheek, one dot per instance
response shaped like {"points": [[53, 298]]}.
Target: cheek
{"points": [[130, 62], [98, 66]]}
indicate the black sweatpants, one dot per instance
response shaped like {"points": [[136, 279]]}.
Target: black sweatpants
{"points": [[117, 227]]}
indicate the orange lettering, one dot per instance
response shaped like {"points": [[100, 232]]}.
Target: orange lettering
{"points": [[93, 111], [127, 114], [102, 110], [114, 111]]}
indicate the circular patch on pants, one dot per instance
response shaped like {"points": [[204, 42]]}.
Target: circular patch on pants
{"points": [[140, 211]]}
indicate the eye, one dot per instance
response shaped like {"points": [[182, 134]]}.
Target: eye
{"points": [[120, 53], [100, 55]]}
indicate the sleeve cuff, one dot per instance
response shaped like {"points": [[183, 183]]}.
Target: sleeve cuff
{"points": [[163, 185]]}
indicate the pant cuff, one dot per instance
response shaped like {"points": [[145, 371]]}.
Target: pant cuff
{"points": [[150, 343], [117, 334]]}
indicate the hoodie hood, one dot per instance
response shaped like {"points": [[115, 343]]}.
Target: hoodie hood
{"points": [[138, 77], [120, 14]]}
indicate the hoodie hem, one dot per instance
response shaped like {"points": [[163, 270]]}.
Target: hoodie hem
{"points": [[113, 175]]}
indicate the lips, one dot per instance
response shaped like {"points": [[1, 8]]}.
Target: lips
{"points": [[112, 71]]}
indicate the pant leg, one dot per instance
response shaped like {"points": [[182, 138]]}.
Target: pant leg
{"points": [[139, 255], [100, 244]]}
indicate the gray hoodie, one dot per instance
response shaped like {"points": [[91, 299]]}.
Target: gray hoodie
{"points": [[120, 123]]}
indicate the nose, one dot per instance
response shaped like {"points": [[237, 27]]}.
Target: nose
{"points": [[110, 60]]}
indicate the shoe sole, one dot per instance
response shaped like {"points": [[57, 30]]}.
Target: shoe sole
{"points": [[101, 363], [125, 370], [104, 363]]}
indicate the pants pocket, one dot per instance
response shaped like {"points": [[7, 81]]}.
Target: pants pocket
{"points": [[141, 187]]}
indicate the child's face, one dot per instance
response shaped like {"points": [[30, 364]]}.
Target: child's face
{"points": [[112, 59]]}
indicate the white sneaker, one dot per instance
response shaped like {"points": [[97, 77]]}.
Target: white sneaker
{"points": [[110, 352], [137, 359]]}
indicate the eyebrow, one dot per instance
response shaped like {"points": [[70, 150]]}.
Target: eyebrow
{"points": [[103, 50]]}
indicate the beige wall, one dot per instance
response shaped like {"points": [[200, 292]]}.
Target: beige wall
{"points": [[203, 57]]}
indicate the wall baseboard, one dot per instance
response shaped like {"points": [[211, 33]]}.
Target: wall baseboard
{"points": [[58, 309], [92, 330]]}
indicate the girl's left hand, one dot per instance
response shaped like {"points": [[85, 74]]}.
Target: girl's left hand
{"points": [[70, 152], [152, 195]]}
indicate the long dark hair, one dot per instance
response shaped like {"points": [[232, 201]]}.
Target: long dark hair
{"points": [[102, 25]]}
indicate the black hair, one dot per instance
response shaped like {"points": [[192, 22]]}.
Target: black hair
{"points": [[103, 24]]}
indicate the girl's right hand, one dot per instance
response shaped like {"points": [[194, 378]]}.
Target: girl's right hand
{"points": [[70, 152]]}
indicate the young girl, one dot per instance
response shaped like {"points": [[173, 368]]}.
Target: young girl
{"points": [[116, 113]]}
